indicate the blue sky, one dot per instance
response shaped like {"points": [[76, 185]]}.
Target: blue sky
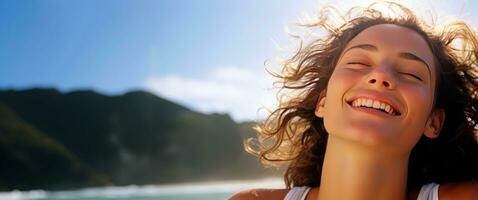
{"points": [[207, 55], [114, 45]]}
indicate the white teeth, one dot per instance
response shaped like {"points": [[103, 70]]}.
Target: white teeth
{"points": [[376, 104], [388, 109], [369, 103], [373, 104]]}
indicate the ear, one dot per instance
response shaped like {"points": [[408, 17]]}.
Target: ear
{"points": [[434, 123], [319, 108]]}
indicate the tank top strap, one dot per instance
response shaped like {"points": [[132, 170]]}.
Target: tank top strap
{"points": [[429, 192], [297, 193]]}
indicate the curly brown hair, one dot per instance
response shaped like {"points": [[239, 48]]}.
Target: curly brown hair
{"points": [[294, 135]]}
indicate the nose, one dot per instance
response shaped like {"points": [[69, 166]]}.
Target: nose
{"points": [[380, 77], [385, 83]]}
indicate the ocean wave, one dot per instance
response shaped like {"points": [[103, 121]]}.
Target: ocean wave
{"points": [[146, 190]]}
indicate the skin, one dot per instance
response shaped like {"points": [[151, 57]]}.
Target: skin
{"points": [[367, 151]]}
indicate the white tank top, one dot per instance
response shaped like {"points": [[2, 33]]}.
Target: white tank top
{"points": [[427, 192]]}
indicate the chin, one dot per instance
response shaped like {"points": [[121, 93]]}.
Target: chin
{"points": [[367, 134]]}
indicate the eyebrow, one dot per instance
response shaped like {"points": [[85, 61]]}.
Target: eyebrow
{"points": [[405, 55]]}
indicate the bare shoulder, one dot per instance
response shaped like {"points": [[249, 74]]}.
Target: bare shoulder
{"points": [[266, 194], [271, 194], [458, 191]]}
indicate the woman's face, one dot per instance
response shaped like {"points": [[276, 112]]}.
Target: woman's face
{"points": [[382, 89]]}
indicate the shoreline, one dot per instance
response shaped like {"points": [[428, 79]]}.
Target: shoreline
{"points": [[206, 187]]}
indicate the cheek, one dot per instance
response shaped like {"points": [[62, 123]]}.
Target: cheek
{"points": [[339, 83], [342, 79], [419, 101]]}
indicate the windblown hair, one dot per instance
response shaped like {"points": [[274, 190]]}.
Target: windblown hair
{"points": [[294, 135]]}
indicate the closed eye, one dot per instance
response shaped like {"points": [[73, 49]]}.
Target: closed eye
{"points": [[357, 63], [412, 75]]}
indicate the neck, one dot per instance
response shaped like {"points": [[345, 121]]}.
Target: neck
{"points": [[357, 172]]}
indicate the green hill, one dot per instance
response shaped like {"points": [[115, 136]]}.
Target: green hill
{"points": [[30, 159], [137, 138]]}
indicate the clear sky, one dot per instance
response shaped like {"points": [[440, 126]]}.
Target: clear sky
{"points": [[207, 55]]}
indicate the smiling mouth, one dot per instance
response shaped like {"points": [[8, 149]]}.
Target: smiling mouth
{"points": [[374, 104]]}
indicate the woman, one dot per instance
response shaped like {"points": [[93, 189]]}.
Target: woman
{"points": [[384, 108]]}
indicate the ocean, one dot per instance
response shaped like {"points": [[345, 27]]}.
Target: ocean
{"points": [[218, 190]]}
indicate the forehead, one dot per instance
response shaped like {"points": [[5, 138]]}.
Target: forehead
{"points": [[394, 38]]}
